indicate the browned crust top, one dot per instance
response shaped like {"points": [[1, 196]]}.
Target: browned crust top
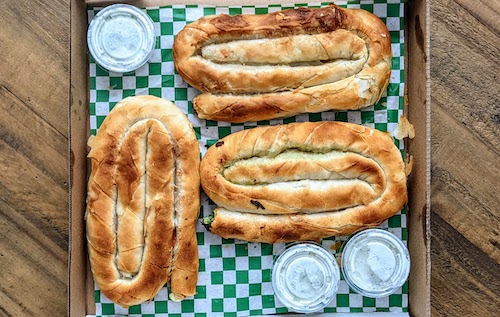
{"points": [[249, 93], [258, 213], [223, 28], [143, 201]]}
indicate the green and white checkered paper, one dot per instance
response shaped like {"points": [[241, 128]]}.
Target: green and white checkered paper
{"points": [[235, 276]]}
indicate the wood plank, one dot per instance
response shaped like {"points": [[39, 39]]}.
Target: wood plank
{"points": [[485, 11], [21, 126], [35, 56], [463, 168], [464, 281], [34, 194], [33, 270], [33, 157], [465, 129], [465, 52], [465, 64]]}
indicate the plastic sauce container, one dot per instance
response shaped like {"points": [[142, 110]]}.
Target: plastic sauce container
{"points": [[375, 263], [121, 38], [305, 277]]}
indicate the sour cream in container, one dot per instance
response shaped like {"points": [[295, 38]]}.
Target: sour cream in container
{"points": [[305, 277], [375, 263], [121, 38]]}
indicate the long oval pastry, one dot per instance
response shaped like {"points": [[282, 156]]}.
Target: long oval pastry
{"points": [[259, 67], [302, 181], [143, 202]]}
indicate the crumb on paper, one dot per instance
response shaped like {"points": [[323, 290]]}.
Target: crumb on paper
{"points": [[336, 245], [408, 164], [90, 140], [404, 129], [176, 297]]}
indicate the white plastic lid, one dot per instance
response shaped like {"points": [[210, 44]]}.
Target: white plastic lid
{"points": [[375, 263], [305, 277], [121, 38]]}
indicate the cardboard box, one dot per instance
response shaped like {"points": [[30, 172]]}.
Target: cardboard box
{"points": [[81, 298]]}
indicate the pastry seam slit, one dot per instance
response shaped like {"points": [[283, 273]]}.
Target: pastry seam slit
{"points": [[382, 192], [144, 178]]}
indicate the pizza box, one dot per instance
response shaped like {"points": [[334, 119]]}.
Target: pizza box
{"points": [[81, 287]]}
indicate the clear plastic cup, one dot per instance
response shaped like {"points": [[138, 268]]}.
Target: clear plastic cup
{"points": [[121, 38], [375, 263], [305, 277]]}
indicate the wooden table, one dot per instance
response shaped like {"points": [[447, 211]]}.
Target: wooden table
{"points": [[34, 86]]}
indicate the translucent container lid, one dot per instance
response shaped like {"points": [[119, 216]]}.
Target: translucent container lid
{"points": [[305, 277], [375, 263], [121, 38]]}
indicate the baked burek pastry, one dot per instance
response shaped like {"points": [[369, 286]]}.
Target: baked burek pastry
{"points": [[143, 202], [302, 181], [259, 67]]}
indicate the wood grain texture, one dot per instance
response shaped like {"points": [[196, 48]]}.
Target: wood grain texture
{"points": [[465, 221], [34, 79], [33, 157]]}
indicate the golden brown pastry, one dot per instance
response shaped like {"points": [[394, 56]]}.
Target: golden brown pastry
{"points": [[302, 181], [259, 67], [143, 202]]}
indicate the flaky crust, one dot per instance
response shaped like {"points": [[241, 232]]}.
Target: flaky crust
{"points": [[143, 201], [259, 67], [302, 181]]}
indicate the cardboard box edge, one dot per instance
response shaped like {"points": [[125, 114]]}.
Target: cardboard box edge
{"points": [[75, 301], [78, 132], [418, 40]]}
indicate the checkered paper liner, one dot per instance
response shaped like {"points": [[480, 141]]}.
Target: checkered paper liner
{"points": [[235, 276]]}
